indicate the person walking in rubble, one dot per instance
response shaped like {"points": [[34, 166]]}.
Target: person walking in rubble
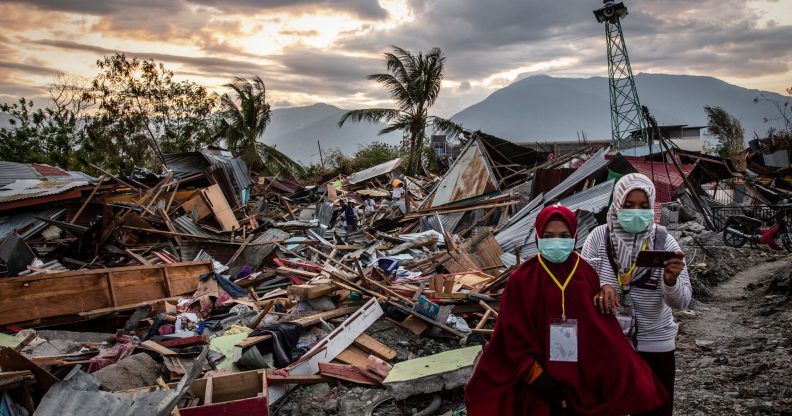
{"points": [[350, 216], [641, 298], [552, 352]]}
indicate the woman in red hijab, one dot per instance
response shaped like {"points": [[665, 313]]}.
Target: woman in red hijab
{"points": [[552, 353]]}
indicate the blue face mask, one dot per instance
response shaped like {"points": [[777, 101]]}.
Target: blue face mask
{"points": [[556, 250], [635, 221]]}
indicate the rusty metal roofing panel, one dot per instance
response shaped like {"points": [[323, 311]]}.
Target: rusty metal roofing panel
{"points": [[11, 171], [34, 188], [469, 176], [374, 171]]}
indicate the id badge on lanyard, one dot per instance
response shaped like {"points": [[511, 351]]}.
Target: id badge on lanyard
{"points": [[564, 341]]}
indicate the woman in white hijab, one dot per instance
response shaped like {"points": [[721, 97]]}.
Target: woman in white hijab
{"points": [[641, 298]]}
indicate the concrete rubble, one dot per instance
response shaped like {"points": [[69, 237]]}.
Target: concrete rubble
{"points": [[259, 296]]}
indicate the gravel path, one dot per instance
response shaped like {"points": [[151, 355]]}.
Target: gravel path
{"points": [[733, 354]]}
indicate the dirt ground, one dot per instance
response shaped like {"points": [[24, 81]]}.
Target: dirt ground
{"points": [[734, 350]]}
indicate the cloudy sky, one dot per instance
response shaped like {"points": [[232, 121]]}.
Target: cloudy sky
{"points": [[310, 51]]}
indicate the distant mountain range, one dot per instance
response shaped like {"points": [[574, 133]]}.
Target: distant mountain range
{"points": [[296, 130], [541, 107], [536, 108]]}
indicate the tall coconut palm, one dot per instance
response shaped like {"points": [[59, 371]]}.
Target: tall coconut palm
{"points": [[243, 119], [413, 82]]}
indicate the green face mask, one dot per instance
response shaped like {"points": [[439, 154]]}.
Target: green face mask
{"points": [[635, 221], [556, 250]]}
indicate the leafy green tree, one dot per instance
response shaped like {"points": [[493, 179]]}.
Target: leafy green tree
{"points": [[50, 134], [413, 82], [244, 118], [143, 113], [374, 154], [729, 132]]}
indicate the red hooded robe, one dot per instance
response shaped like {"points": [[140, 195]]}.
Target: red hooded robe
{"points": [[609, 377]]}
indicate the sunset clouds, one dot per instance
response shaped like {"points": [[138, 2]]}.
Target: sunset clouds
{"points": [[311, 51]]}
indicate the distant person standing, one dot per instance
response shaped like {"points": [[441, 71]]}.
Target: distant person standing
{"points": [[368, 205], [398, 190], [350, 216]]}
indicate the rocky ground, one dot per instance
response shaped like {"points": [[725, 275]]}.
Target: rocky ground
{"points": [[735, 347]]}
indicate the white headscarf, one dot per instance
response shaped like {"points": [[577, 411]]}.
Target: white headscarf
{"points": [[626, 245]]}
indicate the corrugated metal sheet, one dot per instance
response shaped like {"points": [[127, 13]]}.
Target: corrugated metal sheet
{"points": [[185, 225], [468, 177], [25, 223], [545, 180], [449, 222], [374, 171], [11, 171], [34, 188], [186, 164], [522, 231], [517, 230], [586, 223], [596, 162], [666, 182]]}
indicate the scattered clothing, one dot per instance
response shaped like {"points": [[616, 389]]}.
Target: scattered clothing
{"points": [[230, 287]]}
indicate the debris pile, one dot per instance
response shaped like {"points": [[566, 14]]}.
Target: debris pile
{"points": [[206, 290]]}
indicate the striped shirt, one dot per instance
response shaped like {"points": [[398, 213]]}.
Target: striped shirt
{"points": [[656, 327]]}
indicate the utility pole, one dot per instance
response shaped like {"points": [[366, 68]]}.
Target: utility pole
{"points": [[321, 158]]}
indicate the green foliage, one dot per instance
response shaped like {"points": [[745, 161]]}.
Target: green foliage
{"points": [[49, 135], [143, 113], [729, 132], [244, 118], [413, 82], [337, 163], [130, 114]]}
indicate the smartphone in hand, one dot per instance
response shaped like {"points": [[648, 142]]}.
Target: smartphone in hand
{"points": [[654, 258]]}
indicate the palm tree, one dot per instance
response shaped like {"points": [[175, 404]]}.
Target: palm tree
{"points": [[413, 82], [243, 119]]}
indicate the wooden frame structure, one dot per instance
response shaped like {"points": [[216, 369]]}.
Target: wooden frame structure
{"points": [[29, 298]]}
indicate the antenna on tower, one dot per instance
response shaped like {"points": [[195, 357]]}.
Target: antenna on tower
{"points": [[628, 127]]}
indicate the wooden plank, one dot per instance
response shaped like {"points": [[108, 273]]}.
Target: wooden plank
{"points": [[414, 325], [220, 208], [250, 341], [310, 291], [349, 373], [274, 379], [298, 272], [87, 200], [159, 349], [354, 356], [186, 341], [28, 298], [209, 391], [11, 360], [372, 346]]}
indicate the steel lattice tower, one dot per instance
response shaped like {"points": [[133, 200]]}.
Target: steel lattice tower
{"points": [[628, 127]]}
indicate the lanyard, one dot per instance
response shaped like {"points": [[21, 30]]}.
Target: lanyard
{"points": [[618, 272], [562, 287]]}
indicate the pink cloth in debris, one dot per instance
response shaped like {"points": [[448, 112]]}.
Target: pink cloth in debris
{"points": [[123, 348]]}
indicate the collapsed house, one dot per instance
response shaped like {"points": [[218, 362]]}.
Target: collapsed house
{"points": [[224, 292]]}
